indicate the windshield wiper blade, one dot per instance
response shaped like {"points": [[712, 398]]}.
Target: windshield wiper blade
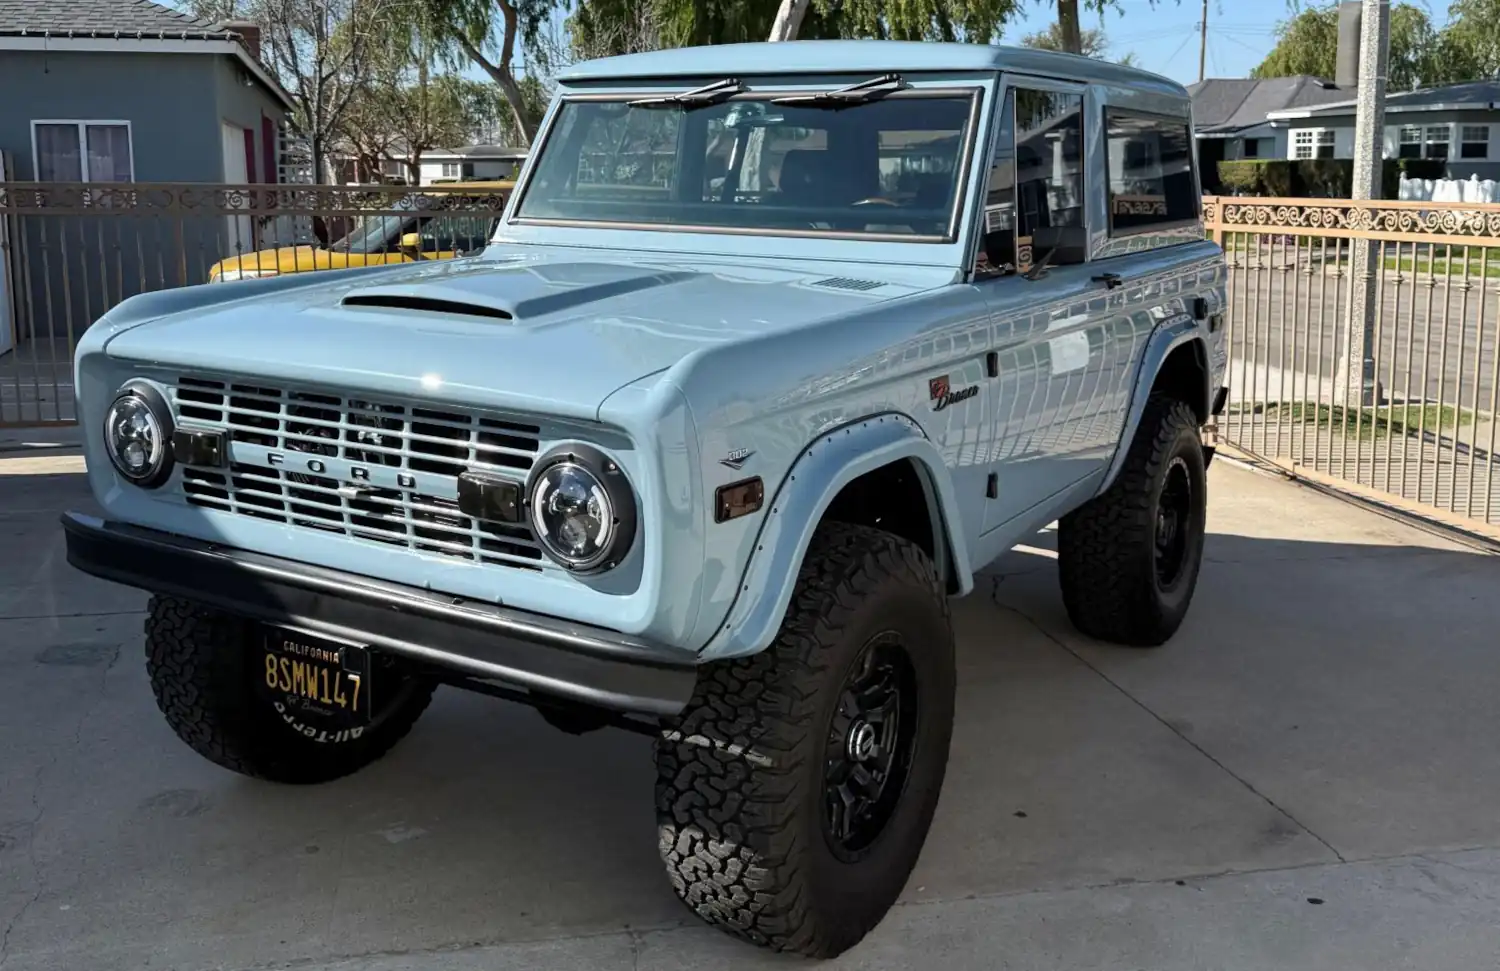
{"points": [[855, 94], [709, 94]]}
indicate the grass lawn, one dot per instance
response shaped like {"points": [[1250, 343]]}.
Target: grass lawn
{"points": [[1372, 423]]}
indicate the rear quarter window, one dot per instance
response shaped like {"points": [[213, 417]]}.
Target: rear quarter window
{"points": [[1151, 183]]}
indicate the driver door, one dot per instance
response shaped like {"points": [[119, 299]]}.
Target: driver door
{"points": [[1051, 330]]}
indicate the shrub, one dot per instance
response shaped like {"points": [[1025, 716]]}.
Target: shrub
{"points": [[1321, 178], [1327, 178], [1279, 178], [1241, 177]]}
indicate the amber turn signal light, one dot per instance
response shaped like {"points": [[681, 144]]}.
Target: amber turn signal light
{"points": [[738, 499]]}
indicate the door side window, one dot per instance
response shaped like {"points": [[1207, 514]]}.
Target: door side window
{"points": [[1034, 199]]}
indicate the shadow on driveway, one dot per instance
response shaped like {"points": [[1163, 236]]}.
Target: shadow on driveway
{"points": [[1331, 697]]}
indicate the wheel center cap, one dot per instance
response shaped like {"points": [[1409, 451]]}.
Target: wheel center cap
{"points": [[861, 741]]}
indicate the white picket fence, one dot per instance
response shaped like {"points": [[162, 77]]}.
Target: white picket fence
{"points": [[1472, 189]]}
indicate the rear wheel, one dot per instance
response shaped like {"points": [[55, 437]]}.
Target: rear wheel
{"points": [[1129, 559], [202, 665], [796, 791]]}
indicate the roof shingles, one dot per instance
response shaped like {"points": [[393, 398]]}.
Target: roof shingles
{"points": [[1229, 104], [102, 18]]}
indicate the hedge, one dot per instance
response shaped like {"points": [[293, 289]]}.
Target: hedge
{"points": [[1321, 178]]}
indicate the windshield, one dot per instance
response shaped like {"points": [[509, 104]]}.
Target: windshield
{"points": [[889, 168]]}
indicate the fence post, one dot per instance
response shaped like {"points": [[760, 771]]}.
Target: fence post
{"points": [[1355, 382]]}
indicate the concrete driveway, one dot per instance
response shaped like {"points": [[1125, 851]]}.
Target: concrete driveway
{"points": [[1307, 777]]}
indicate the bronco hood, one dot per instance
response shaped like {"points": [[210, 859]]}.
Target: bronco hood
{"points": [[555, 334]]}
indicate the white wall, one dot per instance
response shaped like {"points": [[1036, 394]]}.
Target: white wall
{"points": [[1343, 134], [483, 169]]}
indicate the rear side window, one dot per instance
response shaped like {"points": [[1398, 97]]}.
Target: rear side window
{"points": [[1150, 172]]}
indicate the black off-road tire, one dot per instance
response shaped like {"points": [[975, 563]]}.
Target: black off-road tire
{"points": [[200, 660], [740, 784], [1107, 559]]}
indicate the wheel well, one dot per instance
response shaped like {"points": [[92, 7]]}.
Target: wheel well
{"points": [[899, 499], [1183, 376]]}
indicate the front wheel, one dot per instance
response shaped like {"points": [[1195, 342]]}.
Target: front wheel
{"points": [[796, 790], [1129, 559], [204, 674]]}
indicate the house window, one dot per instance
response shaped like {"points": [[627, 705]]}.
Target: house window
{"points": [[1475, 142], [82, 151], [1410, 143], [450, 170], [1251, 148], [1150, 172], [1438, 137], [1312, 143]]}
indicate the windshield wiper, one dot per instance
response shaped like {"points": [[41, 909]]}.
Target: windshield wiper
{"points": [[709, 94], [855, 94]]}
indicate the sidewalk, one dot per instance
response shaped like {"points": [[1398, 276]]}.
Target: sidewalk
{"points": [[1305, 778]]}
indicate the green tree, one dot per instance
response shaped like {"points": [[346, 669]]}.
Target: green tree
{"points": [[320, 51], [1469, 47], [680, 23], [1092, 43], [489, 34], [1307, 43]]}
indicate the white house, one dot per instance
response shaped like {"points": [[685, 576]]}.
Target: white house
{"points": [[1458, 123], [1310, 118], [1236, 118], [471, 163]]}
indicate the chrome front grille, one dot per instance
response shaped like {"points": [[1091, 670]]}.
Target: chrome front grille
{"points": [[434, 445]]}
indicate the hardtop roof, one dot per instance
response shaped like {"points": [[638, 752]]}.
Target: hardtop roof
{"points": [[862, 57]]}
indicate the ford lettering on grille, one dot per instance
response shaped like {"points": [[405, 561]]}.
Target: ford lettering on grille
{"points": [[375, 471]]}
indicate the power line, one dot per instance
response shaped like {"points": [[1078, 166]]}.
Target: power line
{"points": [[1173, 56], [1235, 40]]}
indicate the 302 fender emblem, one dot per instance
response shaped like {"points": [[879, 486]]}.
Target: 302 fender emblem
{"points": [[736, 459], [943, 395]]}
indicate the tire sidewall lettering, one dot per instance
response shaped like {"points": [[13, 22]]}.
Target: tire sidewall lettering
{"points": [[320, 735]]}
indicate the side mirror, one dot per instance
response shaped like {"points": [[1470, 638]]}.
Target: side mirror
{"points": [[411, 246]]}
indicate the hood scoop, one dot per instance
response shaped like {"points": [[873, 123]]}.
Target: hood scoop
{"points": [[429, 304], [519, 293]]}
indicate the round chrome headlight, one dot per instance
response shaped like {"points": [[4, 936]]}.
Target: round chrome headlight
{"points": [[582, 509], [138, 435]]}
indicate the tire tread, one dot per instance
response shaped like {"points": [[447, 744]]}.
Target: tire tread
{"points": [[1103, 547], [712, 771], [193, 657]]}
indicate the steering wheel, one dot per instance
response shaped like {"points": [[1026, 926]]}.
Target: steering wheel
{"points": [[874, 201]]}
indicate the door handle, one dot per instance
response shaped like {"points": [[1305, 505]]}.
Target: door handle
{"points": [[1110, 280]]}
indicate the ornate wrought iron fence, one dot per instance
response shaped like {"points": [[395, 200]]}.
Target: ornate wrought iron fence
{"points": [[1401, 402], [75, 251]]}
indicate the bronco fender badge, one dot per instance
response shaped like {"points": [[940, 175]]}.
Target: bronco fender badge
{"points": [[736, 459], [943, 395]]}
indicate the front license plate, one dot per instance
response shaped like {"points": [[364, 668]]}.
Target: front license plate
{"points": [[317, 684]]}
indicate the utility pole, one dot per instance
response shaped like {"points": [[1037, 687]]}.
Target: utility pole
{"points": [[1203, 44], [1355, 384]]}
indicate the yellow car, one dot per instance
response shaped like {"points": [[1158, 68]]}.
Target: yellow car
{"points": [[391, 237]]}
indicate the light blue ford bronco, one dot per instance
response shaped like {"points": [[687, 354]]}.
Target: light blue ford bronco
{"points": [[774, 347]]}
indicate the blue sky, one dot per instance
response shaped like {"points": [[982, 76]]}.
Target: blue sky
{"points": [[1165, 37]]}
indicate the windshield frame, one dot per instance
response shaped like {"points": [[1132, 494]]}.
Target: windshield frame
{"points": [[974, 91]]}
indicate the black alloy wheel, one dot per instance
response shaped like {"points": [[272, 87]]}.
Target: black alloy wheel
{"points": [[871, 742], [1174, 512]]}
